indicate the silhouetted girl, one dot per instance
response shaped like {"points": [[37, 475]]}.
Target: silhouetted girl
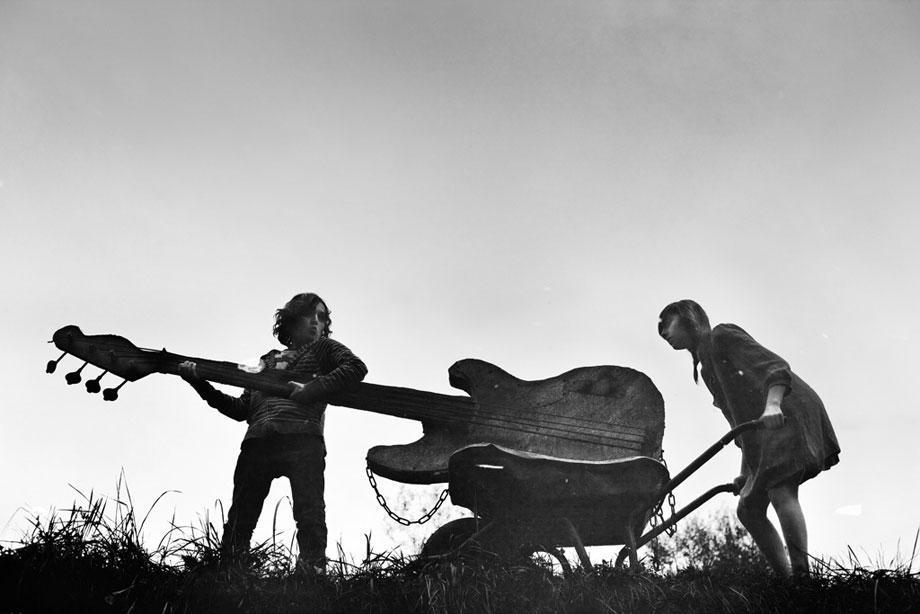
{"points": [[747, 382]]}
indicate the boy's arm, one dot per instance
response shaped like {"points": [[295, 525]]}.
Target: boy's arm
{"points": [[236, 408], [346, 370]]}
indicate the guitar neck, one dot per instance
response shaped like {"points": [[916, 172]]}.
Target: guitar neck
{"points": [[388, 400]]}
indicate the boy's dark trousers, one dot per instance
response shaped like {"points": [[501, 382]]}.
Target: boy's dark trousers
{"points": [[302, 459]]}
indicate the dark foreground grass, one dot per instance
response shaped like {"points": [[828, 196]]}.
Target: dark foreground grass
{"points": [[87, 560]]}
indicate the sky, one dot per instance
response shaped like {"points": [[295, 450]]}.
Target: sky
{"points": [[527, 183]]}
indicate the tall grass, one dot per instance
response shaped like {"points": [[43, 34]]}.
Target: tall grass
{"points": [[89, 558], [84, 557]]}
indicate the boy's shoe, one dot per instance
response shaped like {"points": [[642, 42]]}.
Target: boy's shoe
{"points": [[310, 571]]}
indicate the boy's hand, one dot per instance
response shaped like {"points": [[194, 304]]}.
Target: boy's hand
{"points": [[188, 371], [304, 393]]}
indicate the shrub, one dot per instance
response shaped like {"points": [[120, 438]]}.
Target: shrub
{"points": [[715, 542]]}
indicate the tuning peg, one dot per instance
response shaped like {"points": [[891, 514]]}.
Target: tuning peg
{"points": [[93, 386], [74, 376], [52, 364], [111, 394]]}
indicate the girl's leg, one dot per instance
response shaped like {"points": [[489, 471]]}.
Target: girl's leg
{"points": [[752, 512], [785, 500]]}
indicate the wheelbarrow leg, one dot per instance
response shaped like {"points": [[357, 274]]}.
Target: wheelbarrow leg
{"points": [[631, 545], [579, 545]]}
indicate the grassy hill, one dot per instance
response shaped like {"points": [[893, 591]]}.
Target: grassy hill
{"points": [[87, 560]]}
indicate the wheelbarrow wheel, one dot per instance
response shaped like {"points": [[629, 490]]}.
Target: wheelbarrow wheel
{"points": [[449, 537], [486, 546], [474, 538]]}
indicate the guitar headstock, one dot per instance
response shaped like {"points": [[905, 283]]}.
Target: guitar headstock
{"points": [[111, 353]]}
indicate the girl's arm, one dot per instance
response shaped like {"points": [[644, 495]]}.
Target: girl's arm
{"points": [[743, 474], [760, 367], [773, 413], [773, 419]]}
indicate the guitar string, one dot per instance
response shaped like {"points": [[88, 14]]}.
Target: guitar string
{"points": [[438, 414], [514, 414], [562, 434], [440, 410], [536, 411], [444, 411], [524, 418], [513, 410], [510, 421], [548, 428]]}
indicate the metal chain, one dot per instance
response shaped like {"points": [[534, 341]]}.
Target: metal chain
{"points": [[657, 516], [672, 503], [404, 521]]}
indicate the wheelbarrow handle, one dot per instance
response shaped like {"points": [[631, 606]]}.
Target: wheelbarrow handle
{"points": [[675, 518], [683, 475], [743, 428], [711, 451]]}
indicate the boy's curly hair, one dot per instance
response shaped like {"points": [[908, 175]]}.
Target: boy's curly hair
{"points": [[299, 306]]}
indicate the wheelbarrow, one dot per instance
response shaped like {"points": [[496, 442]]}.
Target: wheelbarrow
{"points": [[524, 503]]}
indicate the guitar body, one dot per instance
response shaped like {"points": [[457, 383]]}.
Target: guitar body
{"points": [[591, 413]]}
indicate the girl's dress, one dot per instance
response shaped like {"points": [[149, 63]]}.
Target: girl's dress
{"points": [[738, 372]]}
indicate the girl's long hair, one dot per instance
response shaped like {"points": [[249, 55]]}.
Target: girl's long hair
{"points": [[696, 321]]}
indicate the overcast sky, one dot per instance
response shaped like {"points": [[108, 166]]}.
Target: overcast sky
{"points": [[528, 183]]}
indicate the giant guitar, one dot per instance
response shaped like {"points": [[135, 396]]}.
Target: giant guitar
{"points": [[591, 413]]}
